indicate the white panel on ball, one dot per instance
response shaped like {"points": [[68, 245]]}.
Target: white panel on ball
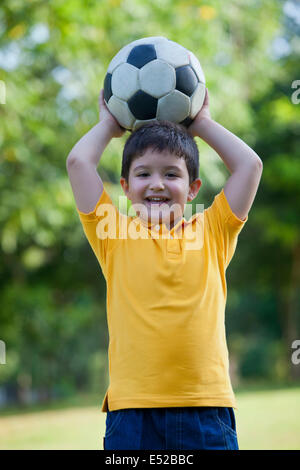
{"points": [[139, 123], [157, 78], [119, 58], [173, 107], [197, 67], [172, 53], [125, 81], [120, 108], [197, 100]]}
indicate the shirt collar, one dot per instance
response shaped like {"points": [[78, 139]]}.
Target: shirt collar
{"points": [[151, 225]]}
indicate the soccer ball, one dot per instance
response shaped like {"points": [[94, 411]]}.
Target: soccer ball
{"points": [[154, 79]]}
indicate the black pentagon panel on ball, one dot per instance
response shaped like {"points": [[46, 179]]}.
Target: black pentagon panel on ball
{"points": [[141, 55], [186, 80], [142, 105], [107, 87], [187, 122]]}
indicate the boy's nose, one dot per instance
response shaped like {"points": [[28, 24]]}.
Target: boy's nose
{"points": [[157, 184]]}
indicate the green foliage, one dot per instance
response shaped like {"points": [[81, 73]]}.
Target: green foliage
{"points": [[52, 339]]}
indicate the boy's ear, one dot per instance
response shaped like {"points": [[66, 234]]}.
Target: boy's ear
{"points": [[194, 189], [124, 185]]}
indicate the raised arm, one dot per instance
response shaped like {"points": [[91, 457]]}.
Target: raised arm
{"points": [[84, 158], [243, 163]]}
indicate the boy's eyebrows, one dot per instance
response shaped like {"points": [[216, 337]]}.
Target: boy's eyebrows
{"points": [[168, 167]]}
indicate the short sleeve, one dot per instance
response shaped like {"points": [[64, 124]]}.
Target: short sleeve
{"points": [[224, 226], [100, 227]]}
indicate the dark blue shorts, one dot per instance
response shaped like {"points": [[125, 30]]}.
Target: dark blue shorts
{"points": [[175, 428]]}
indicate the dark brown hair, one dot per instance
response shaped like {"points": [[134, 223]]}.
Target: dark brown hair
{"points": [[161, 136]]}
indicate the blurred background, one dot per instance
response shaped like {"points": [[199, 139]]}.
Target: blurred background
{"points": [[53, 328]]}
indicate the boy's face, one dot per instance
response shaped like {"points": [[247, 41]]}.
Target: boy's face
{"points": [[164, 175]]}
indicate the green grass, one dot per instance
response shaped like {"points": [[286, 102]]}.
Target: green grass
{"points": [[266, 419], [269, 419]]}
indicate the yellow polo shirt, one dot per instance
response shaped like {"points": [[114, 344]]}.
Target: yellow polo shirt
{"points": [[166, 297]]}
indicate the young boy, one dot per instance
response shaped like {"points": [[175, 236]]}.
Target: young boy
{"points": [[168, 359]]}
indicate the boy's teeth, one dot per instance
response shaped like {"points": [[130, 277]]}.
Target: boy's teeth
{"points": [[155, 199]]}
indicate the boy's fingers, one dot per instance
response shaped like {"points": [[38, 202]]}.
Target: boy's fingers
{"points": [[206, 96], [101, 95], [205, 102]]}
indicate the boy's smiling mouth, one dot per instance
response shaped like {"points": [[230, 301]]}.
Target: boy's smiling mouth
{"points": [[156, 201]]}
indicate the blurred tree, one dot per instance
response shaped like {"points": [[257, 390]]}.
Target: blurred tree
{"points": [[274, 272]]}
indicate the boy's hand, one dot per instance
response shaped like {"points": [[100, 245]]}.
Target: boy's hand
{"points": [[106, 116], [204, 113]]}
